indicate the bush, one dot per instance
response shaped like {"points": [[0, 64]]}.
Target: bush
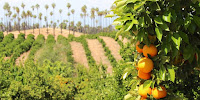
{"points": [[1, 36]]}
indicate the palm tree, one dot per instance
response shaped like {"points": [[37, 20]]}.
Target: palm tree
{"points": [[78, 25], [17, 10], [68, 14], [51, 14], [72, 11], [93, 16], [60, 11], [7, 8], [14, 16], [84, 10], [46, 7], [28, 15], [37, 6], [69, 6], [33, 8], [23, 15], [53, 6], [40, 18]]}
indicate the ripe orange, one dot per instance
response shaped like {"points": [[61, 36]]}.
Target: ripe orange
{"points": [[151, 50], [159, 94], [143, 92], [138, 48], [145, 65], [143, 75], [143, 98]]}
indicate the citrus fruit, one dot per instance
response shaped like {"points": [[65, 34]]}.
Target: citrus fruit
{"points": [[145, 65], [144, 91], [151, 50], [143, 75], [138, 48], [159, 94]]}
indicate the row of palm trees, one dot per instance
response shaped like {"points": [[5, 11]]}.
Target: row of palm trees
{"points": [[31, 20]]}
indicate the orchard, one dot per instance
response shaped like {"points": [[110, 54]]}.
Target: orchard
{"points": [[166, 37]]}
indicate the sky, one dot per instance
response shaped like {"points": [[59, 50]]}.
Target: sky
{"points": [[60, 4]]}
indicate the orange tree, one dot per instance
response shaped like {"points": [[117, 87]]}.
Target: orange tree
{"points": [[172, 27]]}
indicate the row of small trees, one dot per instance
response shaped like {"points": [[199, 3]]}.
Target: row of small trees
{"points": [[17, 20]]}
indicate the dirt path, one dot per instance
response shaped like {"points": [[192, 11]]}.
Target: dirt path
{"points": [[98, 53], [44, 32], [79, 53], [113, 46], [125, 40], [22, 58]]}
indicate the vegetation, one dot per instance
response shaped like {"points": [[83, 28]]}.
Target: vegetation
{"points": [[166, 31]]}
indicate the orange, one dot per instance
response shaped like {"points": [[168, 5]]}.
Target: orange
{"points": [[143, 98], [138, 48], [143, 75], [145, 65], [143, 92], [159, 94], [151, 50]]}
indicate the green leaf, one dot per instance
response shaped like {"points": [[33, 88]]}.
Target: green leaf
{"points": [[164, 27], [192, 28], [116, 23], [141, 35], [136, 6], [184, 36], [119, 32], [141, 22], [109, 15], [177, 40], [187, 22], [162, 72], [159, 33], [167, 17], [147, 84], [130, 25], [187, 52], [158, 20], [121, 3], [171, 73], [197, 20]]}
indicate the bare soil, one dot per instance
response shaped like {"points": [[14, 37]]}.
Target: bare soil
{"points": [[22, 58], [113, 46], [79, 53], [124, 40], [44, 32], [98, 53]]}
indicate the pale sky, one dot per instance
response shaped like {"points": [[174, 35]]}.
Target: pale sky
{"points": [[60, 4]]}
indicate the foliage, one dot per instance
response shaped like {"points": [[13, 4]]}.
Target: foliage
{"points": [[175, 23], [62, 40], [6, 40], [8, 50], [23, 47], [36, 82], [37, 44], [1, 36]]}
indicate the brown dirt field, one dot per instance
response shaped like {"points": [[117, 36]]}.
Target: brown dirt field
{"points": [[113, 46], [98, 53], [79, 53], [44, 32], [22, 58], [125, 40]]}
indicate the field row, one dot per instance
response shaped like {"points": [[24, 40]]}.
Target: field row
{"points": [[88, 50]]}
